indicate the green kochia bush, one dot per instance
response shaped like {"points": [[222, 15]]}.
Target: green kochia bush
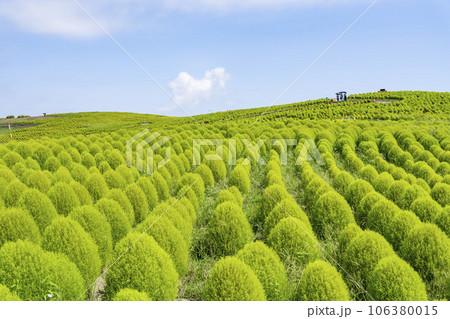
{"points": [[66, 236], [383, 182], [206, 174], [82, 193], [225, 196], [96, 225], [356, 192], [217, 166], [331, 214], [6, 295], [195, 182], [39, 206], [12, 193], [145, 267], [443, 220], [426, 209], [161, 186], [63, 198], [394, 280], [117, 218], [240, 178], [365, 206], [363, 254], [272, 195], [441, 194], [120, 197], [232, 280], [228, 230], [138, 200], [96, 186], [345, 237], [286, 208], [127, 294], [39, 273], [342, 181], [169, 238], [399, 228], [292, 240], [17, 224], [320, 281], [381, 216], [149, 190], [427, 249], [267, 266]]}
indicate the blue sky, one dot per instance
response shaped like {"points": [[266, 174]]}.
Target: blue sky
{"points": [[213, 55]]}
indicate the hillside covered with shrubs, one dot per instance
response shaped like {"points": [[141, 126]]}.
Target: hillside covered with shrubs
{"points": [[355, 209]]}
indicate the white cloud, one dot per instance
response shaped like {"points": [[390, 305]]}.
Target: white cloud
{"points": [[64, 17], [189, 91]]}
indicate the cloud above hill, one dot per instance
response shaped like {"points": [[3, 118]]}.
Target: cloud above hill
{"points": [[189, 91]]}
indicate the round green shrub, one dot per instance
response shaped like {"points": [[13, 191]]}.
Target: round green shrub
{"points": [[345, 237], [396, 191], [331, 214], [127, 294], [320, 281], [87, 160], [187, 192], [381, 216], [427, 249], [363, 254], [180, 216], [207, 176], [291, 239], [114, 179], [235, 191], [268, 267], [145, 267], [383, 182], [96, 225], [369, 173], [68, 237], [195, 182], [426, 209], [232, 280], [38, 180], [314, 189], [411, 193], [271, 197], [394, 280], [273, 177], [6, 295], [161, 186], [120, 197], [169, 238], [228, 230], [399, 228], [12, 193], [217, 166], [356, 192], [79, 173], [63, 198], [39, 273], [288, 207], [117, 218], [39, 206], [365, 206], [441, 194], [17, 224], [225, 196], [114, 159], [149, 190], [41, 154], [240, 178], [138, 200], [61, 175], [82, 193], [96, 186], [443, 220]]}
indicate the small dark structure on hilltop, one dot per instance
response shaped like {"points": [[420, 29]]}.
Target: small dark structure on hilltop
{"points": [[341, 96], [382, 90]]}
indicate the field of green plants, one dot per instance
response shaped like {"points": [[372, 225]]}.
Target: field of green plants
{"points": [[354, 209]]}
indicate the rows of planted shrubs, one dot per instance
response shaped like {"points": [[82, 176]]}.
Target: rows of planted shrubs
{"points": [[422, 245]]}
